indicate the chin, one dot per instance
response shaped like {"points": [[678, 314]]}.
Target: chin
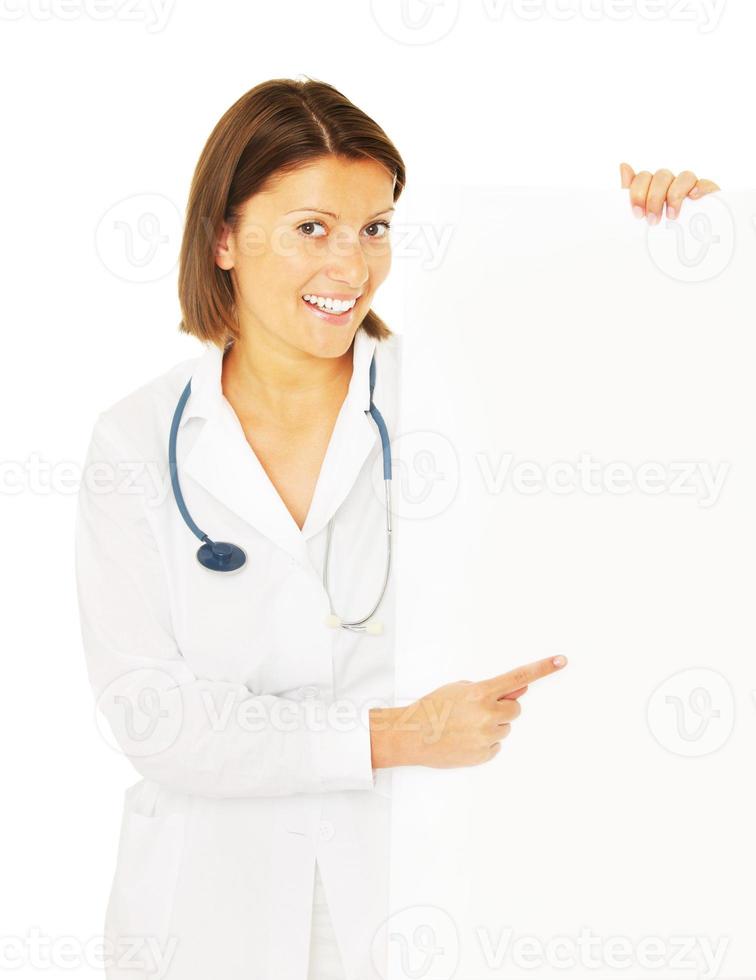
{"points": [[329, 343]]}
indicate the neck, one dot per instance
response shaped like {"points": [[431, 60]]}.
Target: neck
{"points": [[282, 384]]}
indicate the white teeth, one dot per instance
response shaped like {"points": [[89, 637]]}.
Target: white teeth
{"points": [[331, 305]]}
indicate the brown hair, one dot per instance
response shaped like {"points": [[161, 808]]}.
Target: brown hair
{"points": [[276, 127]]}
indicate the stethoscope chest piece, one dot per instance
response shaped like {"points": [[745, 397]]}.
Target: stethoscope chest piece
{"points": [[221, 556]]}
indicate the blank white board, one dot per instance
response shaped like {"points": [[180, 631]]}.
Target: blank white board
{"points": [[575, 473]]}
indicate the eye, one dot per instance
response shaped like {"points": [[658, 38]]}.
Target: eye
{"points": [[310, 224], [386, 225], [378, 224]]}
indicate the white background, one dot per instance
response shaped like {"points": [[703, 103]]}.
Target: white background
{"points": [[109, 103]]}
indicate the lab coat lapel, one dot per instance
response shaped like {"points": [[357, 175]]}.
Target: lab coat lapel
{"points": [[353, 437], [224, 463]]}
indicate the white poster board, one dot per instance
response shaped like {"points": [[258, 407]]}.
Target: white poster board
{"points": [[576, 473]]}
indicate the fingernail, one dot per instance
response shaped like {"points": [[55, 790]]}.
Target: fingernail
{"points": [[652, 218], [637, 211], [671, 213], [559, 661]]}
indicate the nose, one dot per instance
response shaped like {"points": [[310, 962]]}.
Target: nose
{"points": [[348, 264]]}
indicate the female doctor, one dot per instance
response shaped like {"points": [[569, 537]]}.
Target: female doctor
{"points": [[232, 555]]}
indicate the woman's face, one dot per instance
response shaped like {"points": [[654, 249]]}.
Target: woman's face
{"points": [[286, 247]]}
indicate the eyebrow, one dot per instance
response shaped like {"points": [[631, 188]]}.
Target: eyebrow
{"points": [[332, 215]]}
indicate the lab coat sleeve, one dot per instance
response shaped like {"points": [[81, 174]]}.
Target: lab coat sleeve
{"points": [[196, 735]]}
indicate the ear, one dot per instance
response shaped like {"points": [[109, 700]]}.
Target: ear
{"points": [[224, 253]]}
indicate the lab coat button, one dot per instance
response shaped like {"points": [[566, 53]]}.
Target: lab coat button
{"points": [[309, 691], [326, 830]]}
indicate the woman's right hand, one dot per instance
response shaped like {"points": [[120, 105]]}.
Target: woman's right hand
{"points": [[461, 723]]}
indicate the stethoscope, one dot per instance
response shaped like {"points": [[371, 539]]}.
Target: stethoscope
{"points": [[221, 556]]}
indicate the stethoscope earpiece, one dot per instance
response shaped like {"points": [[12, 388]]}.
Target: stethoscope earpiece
{"points": [[374, 627]]}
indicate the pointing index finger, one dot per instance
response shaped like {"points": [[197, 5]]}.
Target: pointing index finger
{"points": [[520, 676]]}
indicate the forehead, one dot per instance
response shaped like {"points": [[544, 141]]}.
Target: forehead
{"points": [[349, 188]]}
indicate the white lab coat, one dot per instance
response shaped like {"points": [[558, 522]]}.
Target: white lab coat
{"points": [[219, 838]]}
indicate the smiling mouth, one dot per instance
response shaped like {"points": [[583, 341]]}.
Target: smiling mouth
{"points": [[336, 312]]}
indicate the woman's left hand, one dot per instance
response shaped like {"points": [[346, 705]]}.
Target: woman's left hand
{"points": [[648, 192]]}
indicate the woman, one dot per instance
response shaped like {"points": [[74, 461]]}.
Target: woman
{"points": [[261, 723]]}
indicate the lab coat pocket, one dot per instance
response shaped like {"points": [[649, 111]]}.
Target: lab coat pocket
{"points": [[149, 859]]}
